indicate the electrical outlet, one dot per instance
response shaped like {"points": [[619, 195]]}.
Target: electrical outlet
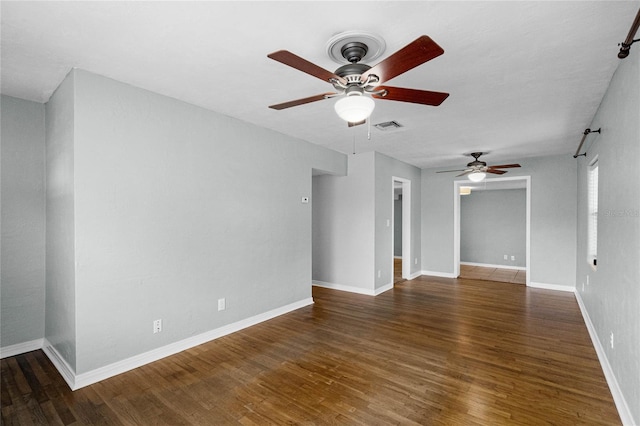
{"points": [[587, 279], [157, 326], [222, 304], [506, 256], [513, 258], [583, 286], [416, 261], [379, 273], [611, 340]]}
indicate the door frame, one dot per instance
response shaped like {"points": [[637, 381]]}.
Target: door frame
{"points": [[406, 225], [456, 221]]}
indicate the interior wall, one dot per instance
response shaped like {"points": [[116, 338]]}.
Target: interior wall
{"points": [[553, 229], [353, 246], [22, 264], [60, 306], [176, 207], [343, 226], [611, 294], [397, 227], [386, 168], [493, 223]]}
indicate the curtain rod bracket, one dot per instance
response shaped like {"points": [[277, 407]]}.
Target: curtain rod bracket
{"points": [[584, 136], [624, 48], [626, 44]]}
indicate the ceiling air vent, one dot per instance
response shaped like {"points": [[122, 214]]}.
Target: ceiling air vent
{"points": [[388, 125]]}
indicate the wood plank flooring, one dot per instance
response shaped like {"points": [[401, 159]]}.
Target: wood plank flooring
{"points": [[432, 351], [397, 271], [493, 274]]}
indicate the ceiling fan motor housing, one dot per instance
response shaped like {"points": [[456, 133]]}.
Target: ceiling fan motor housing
{"points": [[352, 69], [477, 164], [351, 73]]}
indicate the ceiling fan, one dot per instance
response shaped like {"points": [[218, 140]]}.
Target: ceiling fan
{"points": [[477, 170], [357, 83]]}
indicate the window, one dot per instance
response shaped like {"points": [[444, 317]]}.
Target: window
{"points": [[592, 226]]}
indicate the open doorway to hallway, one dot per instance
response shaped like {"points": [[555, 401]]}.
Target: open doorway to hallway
{"points": [[401, 229]]}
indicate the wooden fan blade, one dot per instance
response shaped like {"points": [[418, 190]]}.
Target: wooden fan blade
{"points": [[418, 52], [300, 101], [496, 172], [295, 61], [415, 96], [449, 171], [356, 123], [505, 166]]}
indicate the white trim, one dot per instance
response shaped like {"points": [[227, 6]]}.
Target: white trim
{"points": [[439, 274], [21, 348], [77, 381], [546, 286], [415, 275], [382, 289], [61, 365], [618, 397], [406, 224], [343, 287], [489, 265], [353, 289]]}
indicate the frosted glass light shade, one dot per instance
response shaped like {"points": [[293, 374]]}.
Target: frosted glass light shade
{"points": [[477, 176], [354, 108]]}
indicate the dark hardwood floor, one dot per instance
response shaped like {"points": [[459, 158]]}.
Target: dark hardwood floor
{"points": [[397, 271], [432, 351]]}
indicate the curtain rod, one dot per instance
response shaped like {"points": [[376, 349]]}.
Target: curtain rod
{"points": [[626, 45], [584, 136]]}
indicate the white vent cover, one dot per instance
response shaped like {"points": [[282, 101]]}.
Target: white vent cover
{"points": [[388, 125]]}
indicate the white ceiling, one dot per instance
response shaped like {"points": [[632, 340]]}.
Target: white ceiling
{"points": [[525, 78]]}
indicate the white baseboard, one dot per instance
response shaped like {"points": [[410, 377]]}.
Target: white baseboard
{"points": [[382, 289], [415, 275], [547, 286], [61, 365], [347, 288], [77, 381], [21, 348], [616, 392], [439, 274], [489, 265]]}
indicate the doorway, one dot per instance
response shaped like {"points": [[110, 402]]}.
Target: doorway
{"points": [[494, 183], [401, 258]]}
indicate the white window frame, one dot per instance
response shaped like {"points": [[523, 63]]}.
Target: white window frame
{"points": [[592, 219]]}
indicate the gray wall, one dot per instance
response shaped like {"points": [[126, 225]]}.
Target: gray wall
{"points": [[352, 241], [611, 295], [343, 225], [22, 265], [174, 207], [397, 227], [386, 168], [494, 223], [60, 311], [553, 228]]}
